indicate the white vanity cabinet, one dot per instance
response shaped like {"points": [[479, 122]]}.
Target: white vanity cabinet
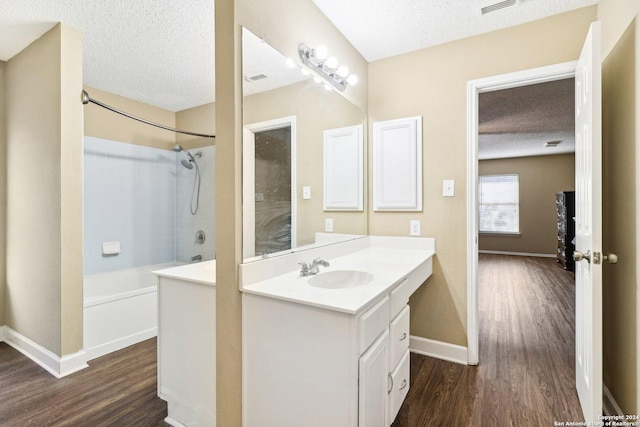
{"points": [[187, 344], [308, 365]]}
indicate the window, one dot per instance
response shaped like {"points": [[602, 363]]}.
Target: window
{"points": [[498, 197]]}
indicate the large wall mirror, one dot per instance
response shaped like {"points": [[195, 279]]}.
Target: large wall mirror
{"points": [[286, 115]]}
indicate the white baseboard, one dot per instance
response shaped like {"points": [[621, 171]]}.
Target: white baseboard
{"points": [[54, 364], [438, 349], [518, 254], [120, 343], [609, 404]]}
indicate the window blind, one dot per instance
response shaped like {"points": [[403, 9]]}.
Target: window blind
{"points": [[498, 197]]}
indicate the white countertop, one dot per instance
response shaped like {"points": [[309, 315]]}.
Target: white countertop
{"points": [[387, 265], [200, 272]]}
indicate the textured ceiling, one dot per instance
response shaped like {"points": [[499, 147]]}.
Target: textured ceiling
{"points": [[259, 58], [156, 51], [520, 121], [383, 28]]}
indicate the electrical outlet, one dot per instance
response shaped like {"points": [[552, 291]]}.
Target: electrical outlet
{"points": [[328, 225], [414, 227]]}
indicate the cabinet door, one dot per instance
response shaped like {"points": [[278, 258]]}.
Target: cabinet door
{"points": [[397, 165], [374, 384]]}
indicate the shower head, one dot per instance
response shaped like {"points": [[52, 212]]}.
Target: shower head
{"points": [[178, 148], [187, 163]]}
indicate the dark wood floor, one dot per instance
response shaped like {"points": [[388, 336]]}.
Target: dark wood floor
{"points": [[526, 375], [118, 389]]}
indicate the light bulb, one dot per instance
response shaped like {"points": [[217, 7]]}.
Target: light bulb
{"points": [[352, 79], [342, 71], [321, 52], [331, 62]]}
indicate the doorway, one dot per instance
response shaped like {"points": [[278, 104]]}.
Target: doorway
{"points": [[273, 190], [474, 89], [269, 187]]}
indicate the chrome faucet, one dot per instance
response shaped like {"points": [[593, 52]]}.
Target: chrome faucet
{"points": [[311, 269]]}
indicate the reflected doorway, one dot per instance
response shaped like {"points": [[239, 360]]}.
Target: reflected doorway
{"points": [[269, 190]]}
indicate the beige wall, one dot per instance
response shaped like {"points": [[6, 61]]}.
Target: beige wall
{"points": [[102, 123], [621, 139], [540, 178], [228, 214], [44, 197], [3, 191], [315, 110], [433, 83], [200, 119]]}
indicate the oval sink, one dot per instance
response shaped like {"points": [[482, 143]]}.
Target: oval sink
{"points": [[340, 279]]}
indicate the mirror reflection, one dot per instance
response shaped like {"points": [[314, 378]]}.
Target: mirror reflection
{"points": [[286, 116]]}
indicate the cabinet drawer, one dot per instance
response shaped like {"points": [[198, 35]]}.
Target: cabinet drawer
{"points": [[399, 386], [399, 337], [372, 323]]}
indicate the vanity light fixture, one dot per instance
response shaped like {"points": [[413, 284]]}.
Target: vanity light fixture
{"points": [[326, 67]]}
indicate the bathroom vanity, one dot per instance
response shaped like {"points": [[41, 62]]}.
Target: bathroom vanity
{"points": [[187, 343], [333, 348]]}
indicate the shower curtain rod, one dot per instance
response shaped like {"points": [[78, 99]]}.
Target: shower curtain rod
{"points": [[87, 99]]}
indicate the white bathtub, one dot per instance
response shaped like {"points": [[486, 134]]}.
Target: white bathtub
{"points": [[120, 309]]}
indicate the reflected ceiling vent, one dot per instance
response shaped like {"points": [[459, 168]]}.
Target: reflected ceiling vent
{"points": [[492, 6], [552, 144], [256, 77]]}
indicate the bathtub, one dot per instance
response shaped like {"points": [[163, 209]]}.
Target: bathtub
{"points": [[120, 309]]}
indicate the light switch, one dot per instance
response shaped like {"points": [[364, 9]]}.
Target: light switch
{"points": [[328, 225], [306, 192], [448, 188]]}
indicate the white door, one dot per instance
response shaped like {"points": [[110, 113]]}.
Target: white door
{"points": [[589, 226]]}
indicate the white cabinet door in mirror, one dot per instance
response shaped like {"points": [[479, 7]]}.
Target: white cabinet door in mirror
{"points": [[343, 169], [397, 165]]}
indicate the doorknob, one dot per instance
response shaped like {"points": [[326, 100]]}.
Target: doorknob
{"points": [[611, 258], [579, 256]]}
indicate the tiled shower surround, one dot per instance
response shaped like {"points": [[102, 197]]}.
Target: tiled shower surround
{"points": [[140, 196]]}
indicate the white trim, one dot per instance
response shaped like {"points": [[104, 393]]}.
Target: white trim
{"points": [[538, 255], [2, 333], [120, 343], [474, 88], [174, 423], [609, 404], [277, 124], [438, 349], [57, 366]]}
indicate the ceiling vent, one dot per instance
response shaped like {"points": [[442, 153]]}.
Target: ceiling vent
{"points": [[256, 77], [492, 7], [552, 144]]}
